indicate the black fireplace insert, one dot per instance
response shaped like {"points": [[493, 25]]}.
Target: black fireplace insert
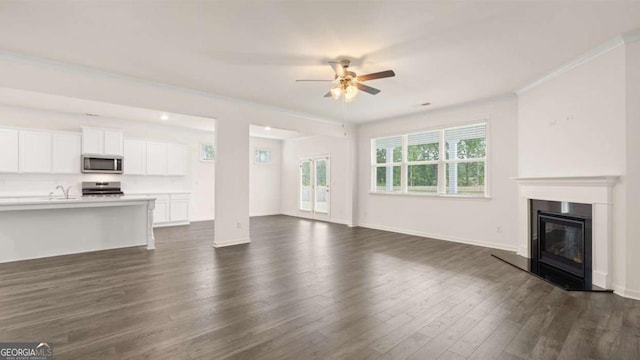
{"points": [[564, 242]]}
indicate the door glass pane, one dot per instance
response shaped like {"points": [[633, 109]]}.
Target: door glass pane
{"points": [[305, 186], [423, 178], [322, 190], [465, 178]]}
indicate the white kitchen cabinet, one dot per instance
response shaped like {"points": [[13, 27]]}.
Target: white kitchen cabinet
{"points": [[179, 208], [161, 212], [92, 141], [8, 150], [35, 151], [176, 159], [113, 142], [66, 153], [99, 141], [135, 157], [156, 158]]}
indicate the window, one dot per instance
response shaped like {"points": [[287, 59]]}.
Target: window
{"points": [[387, 162], [207, 152], [263, 156], [449, 161]]}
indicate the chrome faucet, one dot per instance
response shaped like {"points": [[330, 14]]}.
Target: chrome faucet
{"points": [[64, 191]]}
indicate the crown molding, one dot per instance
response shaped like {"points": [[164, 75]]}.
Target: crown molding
{"points": [[34, 60], [582, 59]]}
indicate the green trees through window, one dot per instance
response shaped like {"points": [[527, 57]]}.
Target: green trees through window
{"points": [[448, 161]]}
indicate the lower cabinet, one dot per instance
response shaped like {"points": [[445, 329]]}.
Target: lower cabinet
{"points": [[171, 209]]}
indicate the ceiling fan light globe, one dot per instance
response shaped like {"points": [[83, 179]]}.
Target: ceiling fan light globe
{"points": [[335, 92], [350, 93]]}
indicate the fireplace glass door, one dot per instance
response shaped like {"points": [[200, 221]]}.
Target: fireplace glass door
{"points": [[562, 242]]}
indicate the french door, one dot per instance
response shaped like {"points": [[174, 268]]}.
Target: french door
{"points": [[314, 187]]}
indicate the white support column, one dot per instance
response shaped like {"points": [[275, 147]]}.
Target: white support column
{"points": [[151, 239], [232, 182]]}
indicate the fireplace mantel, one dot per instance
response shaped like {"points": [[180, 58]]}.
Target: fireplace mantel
{"points": [[594, 190], [605, 180]]}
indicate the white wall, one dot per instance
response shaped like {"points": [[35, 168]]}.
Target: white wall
{"points": [[341, 168], [264, 184], [199, 179], [489, 222], [633, 166], [576, 124]]}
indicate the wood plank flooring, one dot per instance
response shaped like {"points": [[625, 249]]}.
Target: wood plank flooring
{"points": [[306, 290]]}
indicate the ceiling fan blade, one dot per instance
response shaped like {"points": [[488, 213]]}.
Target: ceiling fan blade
{"points": [[378, 75], [337, 68], [367, 89], [328, 94], [312, 80]]}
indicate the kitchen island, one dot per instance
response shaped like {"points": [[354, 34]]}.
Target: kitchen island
{"points": [[33, 228]]}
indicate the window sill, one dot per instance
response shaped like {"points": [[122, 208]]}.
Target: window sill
{"points": [[435, 196]]}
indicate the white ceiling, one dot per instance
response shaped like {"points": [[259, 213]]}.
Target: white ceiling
{"points": [[445, 53]]}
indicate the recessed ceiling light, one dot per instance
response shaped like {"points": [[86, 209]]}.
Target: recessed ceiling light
{"points": [[267, 128], [164, 117]]}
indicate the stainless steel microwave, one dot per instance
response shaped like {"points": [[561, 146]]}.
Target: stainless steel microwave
{"points": [[102, 164]]}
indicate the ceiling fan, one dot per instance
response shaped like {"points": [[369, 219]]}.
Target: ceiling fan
{"points": [[348, 83]]}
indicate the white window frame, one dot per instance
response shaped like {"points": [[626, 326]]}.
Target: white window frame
{"points": [[442, 163], [215, 152], [255, 156]]}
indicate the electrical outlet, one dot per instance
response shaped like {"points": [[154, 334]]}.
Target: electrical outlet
{"points": [[238, 225], [499, 229]]}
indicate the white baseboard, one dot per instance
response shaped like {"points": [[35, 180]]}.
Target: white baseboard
{"points": [[175, 223], [626, 293], [219, 244], [442, 237], [264, 214]]}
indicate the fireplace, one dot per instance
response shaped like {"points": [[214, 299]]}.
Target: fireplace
{"points": [[587, 199], [562, 242]]}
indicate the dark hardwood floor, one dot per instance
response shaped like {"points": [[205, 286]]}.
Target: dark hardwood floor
{"points": [[306, 290]]}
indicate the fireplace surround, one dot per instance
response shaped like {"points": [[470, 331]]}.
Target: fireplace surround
{"points": [[589, 196]]}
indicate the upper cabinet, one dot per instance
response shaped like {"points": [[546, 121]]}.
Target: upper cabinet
{"points": [[8, 150], [100, 141], [113, 142], [66, 153], [35, 151], [135, 155], [156, 158]]}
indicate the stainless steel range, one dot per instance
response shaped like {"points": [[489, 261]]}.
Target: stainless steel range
{"points": [[101, 188]]}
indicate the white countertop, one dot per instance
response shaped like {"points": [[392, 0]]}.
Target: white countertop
{"points": [[30, 203]]}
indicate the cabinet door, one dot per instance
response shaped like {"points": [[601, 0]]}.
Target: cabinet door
{"points": [[35, 151], [179, 208], [176, 159], [161, 212], [8, 150], [113, 142], [92, 141], [66, 153], [135, 157], [156, 158]]}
